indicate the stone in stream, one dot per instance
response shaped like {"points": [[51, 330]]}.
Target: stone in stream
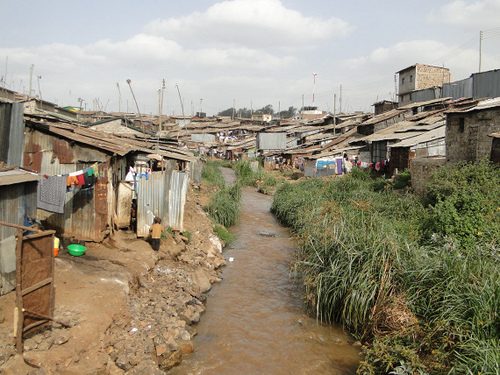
{"points": [[267, 234]]}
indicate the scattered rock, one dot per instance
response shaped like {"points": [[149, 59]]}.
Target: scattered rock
{"points": [[61, 338], [267, 234]]}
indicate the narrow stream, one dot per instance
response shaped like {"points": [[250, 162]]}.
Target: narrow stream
{"points": [[255, 321]]}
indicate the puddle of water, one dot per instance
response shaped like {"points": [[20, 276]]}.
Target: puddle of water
{"points": [[255, 321]]}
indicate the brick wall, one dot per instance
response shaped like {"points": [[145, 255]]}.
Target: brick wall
{"points": [[430, 76], [467, 134]]}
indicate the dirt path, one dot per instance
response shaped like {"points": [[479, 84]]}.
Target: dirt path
{"points": [[131, 310]]}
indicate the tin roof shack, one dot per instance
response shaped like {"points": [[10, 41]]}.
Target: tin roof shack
{"points": [[117, 125], [58, 149], [384, 106], [17, 204], [431, 143], [468, 130]]}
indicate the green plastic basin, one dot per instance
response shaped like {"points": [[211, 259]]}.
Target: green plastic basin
{"points": [[76, 249]]}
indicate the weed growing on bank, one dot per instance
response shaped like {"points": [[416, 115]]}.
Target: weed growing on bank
{"points": [[418, 285], [224, 204], [212, 174], [226, 236]]}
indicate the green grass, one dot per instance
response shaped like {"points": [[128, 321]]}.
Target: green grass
{"points": [[211, 173], [380, 263], [226, 236]]}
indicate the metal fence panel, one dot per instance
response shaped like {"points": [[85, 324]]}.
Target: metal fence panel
{"points": [[177, 199], [271, 141], [150, 201], [458, 89], [204, 138], [486, 84]]}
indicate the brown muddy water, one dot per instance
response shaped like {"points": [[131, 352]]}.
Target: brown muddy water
{"points": [[255, 321]]}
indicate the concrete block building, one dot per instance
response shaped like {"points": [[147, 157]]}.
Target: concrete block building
{"points": [[418, 77]]}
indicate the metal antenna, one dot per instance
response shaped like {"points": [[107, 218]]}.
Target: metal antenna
{"points": [[129, 82], [182, 107]]}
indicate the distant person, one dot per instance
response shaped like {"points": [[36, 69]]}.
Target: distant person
{"points": [[347, 164], [156, 231]]}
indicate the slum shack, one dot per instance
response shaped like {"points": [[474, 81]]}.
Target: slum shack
{"points": [[17, 206]]}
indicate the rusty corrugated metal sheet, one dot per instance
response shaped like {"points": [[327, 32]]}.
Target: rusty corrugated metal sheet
{"points": [[196, 170], [124, 204], [271, 141], [16, 202], [177, 199]]}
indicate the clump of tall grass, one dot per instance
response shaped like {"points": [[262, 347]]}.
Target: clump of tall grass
{"points": [[226, 236], [224, 205], [245, 175], [212, 174], [362, 248]]}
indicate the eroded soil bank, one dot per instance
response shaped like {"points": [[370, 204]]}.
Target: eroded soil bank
{"points": [[125, 308]]}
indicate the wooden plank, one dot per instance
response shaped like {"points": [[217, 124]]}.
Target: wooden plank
{"points": [[19, 296], [38, 285], [35, 324], [39, 234], [5, 224]]}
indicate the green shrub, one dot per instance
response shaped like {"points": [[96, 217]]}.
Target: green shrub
{"points": [[464, 204], [402, 179]]}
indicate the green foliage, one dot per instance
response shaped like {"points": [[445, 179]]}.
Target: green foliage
{"points": [[464, 204], [188, 235], [224, 205], [226, 236], [245, 175], [168, 232], [361, 245], [402, 179], [211, 173]]}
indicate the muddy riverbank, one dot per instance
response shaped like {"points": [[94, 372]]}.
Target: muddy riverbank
{"points": [[255, 322]]}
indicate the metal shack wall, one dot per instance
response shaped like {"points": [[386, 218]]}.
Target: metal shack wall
{"points": [[151, 198], [486, 84], [86, 211], [11, 133], [16, 202], [271, 141], [458, 89], [177, 199], [205, 138]]}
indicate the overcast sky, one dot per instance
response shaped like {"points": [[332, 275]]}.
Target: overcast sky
{"points": [[253, 51]]}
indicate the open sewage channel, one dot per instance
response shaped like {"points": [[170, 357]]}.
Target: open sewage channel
{"points": [[255, 321]]}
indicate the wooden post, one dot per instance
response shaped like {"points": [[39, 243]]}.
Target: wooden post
{"points": [[19, 297]]}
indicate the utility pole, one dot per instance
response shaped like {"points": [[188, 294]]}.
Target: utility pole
{"points": [[38, 78], [334, 112], [6, 67], [234, 108], [340, 99], [302, 102], [182, 108], [129, 82], [251, 108], [119, 97], [314, 85], [201, 107], [32, 67], [279, 109], [480, 48]]}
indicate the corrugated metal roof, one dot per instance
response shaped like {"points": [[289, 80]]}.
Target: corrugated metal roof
{"points": [[494, 135], [425, 103], [17, 176], [383, 117], [429, 136]]}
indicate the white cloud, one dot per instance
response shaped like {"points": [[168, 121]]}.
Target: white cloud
{"points": [[251, 23], [479, 14]]}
